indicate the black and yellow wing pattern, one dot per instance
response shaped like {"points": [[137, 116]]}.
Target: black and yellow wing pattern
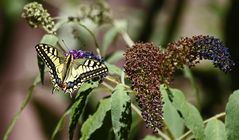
{"points": [[68, 73]]}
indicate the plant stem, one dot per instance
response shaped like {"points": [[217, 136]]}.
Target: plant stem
{"points": [[163, 135], [114, 81], [215, 117], [124, 34], [127, 39], [185, 135], [108, 86], [122, 78]]}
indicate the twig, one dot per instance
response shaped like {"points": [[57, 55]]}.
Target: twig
{"points": [[122, 78], [114, 81], [215, 117], [124, 34], [127, 39], [108, 86]]}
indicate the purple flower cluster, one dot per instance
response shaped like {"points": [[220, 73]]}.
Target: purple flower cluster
{"points": [[213, 49], [83, 54]]}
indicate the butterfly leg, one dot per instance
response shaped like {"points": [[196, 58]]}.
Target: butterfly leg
{"points": [[53, 89], [71, 94]]}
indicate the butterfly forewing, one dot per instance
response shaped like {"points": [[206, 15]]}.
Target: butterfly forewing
{"points": [[53, 60]]}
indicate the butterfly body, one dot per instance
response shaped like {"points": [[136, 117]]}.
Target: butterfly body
{"points": [[68, 73]]}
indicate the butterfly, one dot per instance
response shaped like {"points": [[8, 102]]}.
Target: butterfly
{"points": [[68, 73]]}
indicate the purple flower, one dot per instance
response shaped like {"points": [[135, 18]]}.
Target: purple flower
{"points": [[188, 51], [213, 49], [83, 54]]}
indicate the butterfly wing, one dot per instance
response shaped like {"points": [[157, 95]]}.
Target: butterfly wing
{"points": [[54, 61], [93, 69], [67, 73], [84, 70]]}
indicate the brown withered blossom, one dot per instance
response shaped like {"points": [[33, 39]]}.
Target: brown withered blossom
{"points": [[142, 67], [177, 54]]}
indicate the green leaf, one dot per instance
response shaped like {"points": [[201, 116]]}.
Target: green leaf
{"points": [[232, 117], [109, 37], [172, 119], [76, 110], [116, 57], [190, 115], [95, 121], [86, 86], [113, 69], [215, 130], [78, 105], [149, 137], [120, 112], [49, 39]]}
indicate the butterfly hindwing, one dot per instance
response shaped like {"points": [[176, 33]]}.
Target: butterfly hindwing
{"points": [[84, 70], [94, 69]]}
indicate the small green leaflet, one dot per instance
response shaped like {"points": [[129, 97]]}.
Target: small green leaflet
{"points": [[215, 130], [190, 115], [172, 119]]}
